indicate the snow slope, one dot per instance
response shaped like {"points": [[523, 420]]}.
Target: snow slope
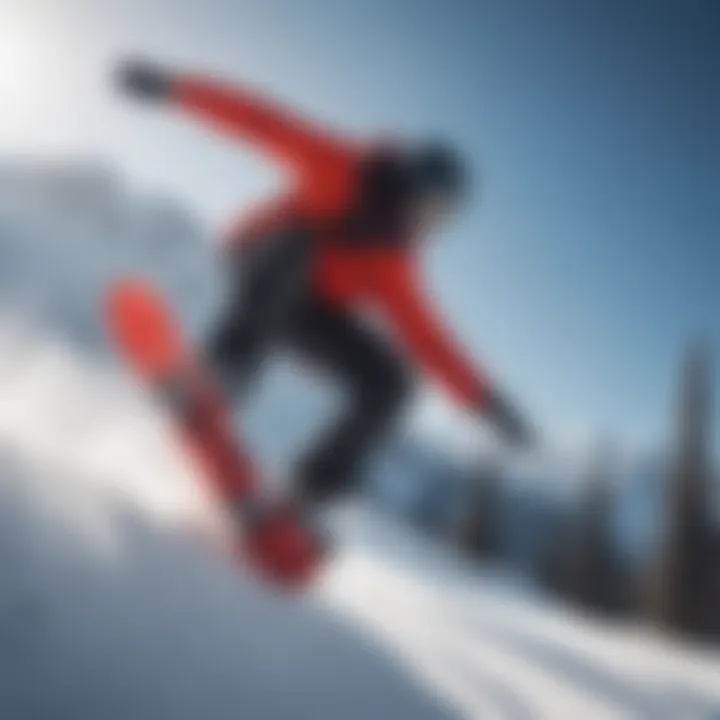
{"points": [[494, 648], [117, 599], [112, 603]]}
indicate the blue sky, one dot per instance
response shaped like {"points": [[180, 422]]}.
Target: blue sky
{"points": [[592, 256]]}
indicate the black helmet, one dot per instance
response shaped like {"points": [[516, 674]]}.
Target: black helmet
{"points": [[438, 168]]}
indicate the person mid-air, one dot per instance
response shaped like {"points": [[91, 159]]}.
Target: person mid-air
{"points": [[316, 269]]}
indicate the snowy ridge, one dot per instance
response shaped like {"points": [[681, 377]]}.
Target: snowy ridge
{"points": [[117, 599]]}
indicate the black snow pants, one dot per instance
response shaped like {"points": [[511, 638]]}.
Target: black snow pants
{"points": [[272, 305]]}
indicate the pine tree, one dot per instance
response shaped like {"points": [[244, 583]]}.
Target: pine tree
{"points": [[593, 572], [678, 579]]}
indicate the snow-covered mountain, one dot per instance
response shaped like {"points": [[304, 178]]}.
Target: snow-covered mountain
{"points": [[117, 596]]}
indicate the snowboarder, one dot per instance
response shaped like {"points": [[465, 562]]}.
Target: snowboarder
{"points": [[340, 242]]}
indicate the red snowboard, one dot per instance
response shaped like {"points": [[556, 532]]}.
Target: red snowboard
{"points": [[149, 338]]}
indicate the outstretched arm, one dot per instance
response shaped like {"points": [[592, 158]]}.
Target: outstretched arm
{"points": [[423, 332], [238, 112]]}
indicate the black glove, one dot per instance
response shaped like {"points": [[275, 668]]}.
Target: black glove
{"points": [[144, 81], [509, 421]]}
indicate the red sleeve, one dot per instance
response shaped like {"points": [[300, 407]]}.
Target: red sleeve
{"points": [[251, 117], [424, 333]]}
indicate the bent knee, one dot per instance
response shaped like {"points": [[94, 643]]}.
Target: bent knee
{"points": [[388, 387]]}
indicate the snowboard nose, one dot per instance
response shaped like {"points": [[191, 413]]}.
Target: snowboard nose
{"points": [[142, 326]]}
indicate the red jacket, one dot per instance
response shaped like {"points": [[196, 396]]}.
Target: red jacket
{"points": [[326, 176]]}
